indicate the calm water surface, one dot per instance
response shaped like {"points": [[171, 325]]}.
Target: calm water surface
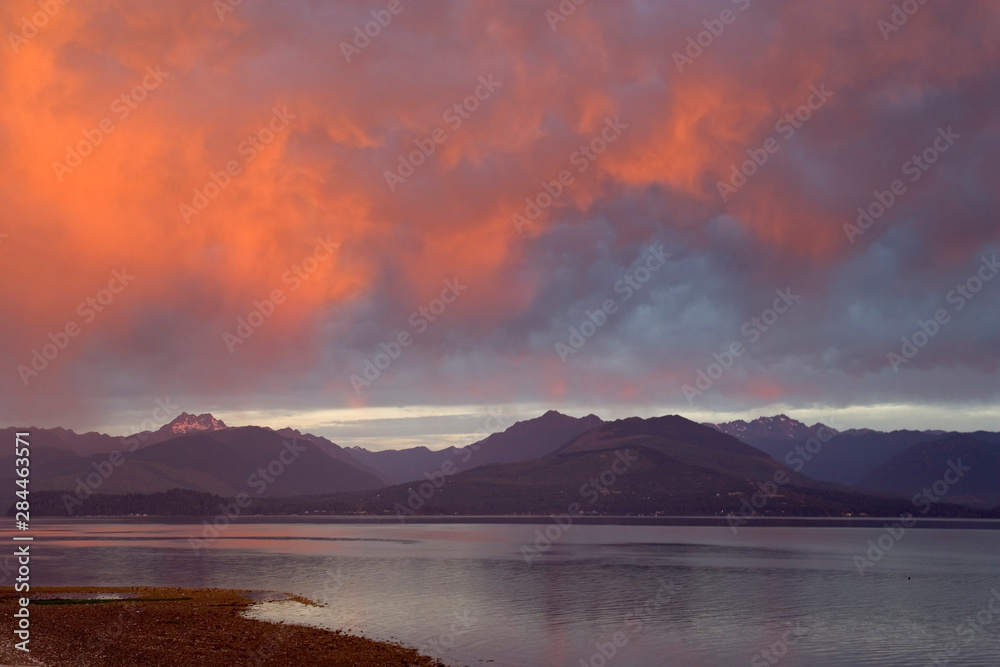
{"points": [[670, 595]]}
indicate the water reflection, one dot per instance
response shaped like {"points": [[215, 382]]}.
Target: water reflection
{"points": [[652, 595]]}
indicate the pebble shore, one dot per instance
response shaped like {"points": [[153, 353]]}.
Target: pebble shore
{"points": [[180, 626]]}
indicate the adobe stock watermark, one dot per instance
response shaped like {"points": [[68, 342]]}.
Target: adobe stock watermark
{"points": [[563, 11], [89, 484], [333, 582], [266, 655], [58, 341], [796, 458], [364, 34], [664, 593], [31, 25], [163, 413], [696, 44], [922, 501], [581, 158], [627, 286], [591, 491], [122, 108], [419, 320], [971, 628], [107, 635], [295, 276], [786, 127], [918, 165], [752, 329], [454, 117], [898, 17], [223, 7], [779, 649], [605, 651], [248, 150], [925, 331], [463, 624], [259, 480], [417, 498]]}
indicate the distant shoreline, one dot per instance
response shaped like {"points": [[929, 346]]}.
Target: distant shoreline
{"points": [[695, 521]]}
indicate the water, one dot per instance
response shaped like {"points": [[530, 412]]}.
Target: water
{"points": [[670, 595]]}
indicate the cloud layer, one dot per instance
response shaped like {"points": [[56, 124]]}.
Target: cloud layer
{"points": [[480, 181]]}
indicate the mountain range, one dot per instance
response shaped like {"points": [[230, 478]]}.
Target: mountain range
{"points": [[851, 457], [660, 466], [524, 440]]}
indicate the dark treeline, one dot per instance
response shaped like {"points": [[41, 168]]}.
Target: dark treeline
{"points": [[398, 500], [175, 502]]}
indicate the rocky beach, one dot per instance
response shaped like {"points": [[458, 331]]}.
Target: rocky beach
{"points": [[154, 627]]}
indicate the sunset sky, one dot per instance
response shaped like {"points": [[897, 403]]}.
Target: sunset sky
{"points": [[167, 168]]}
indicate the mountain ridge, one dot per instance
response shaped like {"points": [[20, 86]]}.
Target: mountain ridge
{"points": [[778, 426], [685, 466]]}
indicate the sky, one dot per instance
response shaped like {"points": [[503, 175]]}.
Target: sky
{"points": [[381, 220]]}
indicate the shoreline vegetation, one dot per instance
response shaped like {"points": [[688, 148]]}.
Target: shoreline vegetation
{"points": [[955, 523], [162, 626], [710, 510]]}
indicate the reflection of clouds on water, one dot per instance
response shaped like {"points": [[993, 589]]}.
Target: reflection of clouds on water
{"points": [[407, 582]]}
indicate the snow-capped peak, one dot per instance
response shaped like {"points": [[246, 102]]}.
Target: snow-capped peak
{"points": [[186, 423], [780, 426]]}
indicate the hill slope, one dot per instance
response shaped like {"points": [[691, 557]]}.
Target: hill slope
{"points": [[523, 441], [666, 465], [842, 457], [969, 467], [250, 459]]}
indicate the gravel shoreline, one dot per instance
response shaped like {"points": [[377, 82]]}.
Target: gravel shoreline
{"points": [[180, 626]]}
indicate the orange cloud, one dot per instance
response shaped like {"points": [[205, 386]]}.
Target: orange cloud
{"points": [[156, 152]]}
